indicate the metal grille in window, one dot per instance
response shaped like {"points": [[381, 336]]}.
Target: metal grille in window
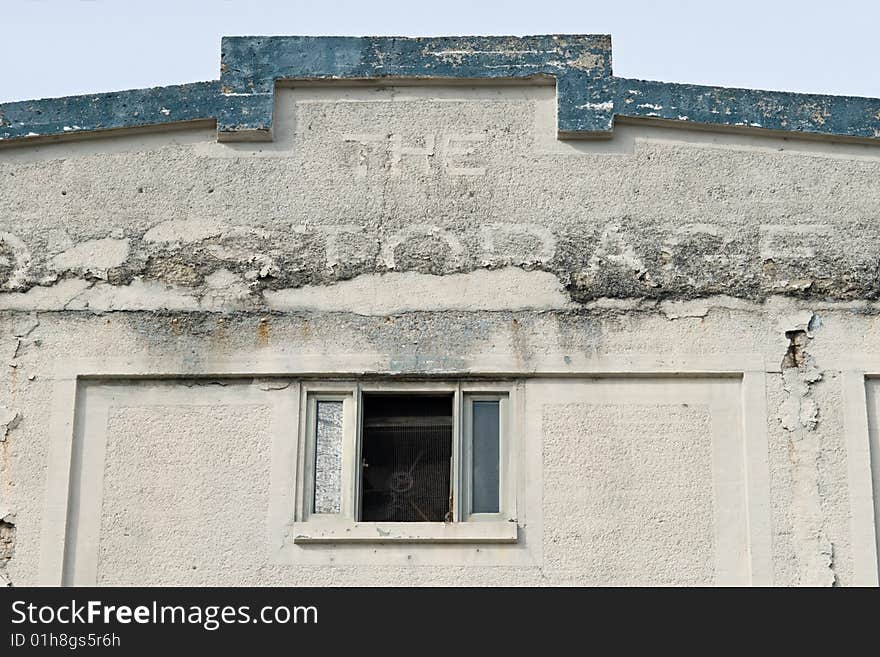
{"points": [[407, 458]]}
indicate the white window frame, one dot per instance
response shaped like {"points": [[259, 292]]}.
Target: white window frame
{"points": [[349, 444], [344, 527], [506, 494]]}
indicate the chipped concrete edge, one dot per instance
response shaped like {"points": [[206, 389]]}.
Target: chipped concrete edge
{"points": [[589, 97]]}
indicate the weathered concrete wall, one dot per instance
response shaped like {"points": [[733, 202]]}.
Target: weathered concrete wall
{"points": [[445, 231]]}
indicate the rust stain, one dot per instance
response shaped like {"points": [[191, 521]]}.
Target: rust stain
{"points": [[4, 461], [220, 331], [263, 331]]}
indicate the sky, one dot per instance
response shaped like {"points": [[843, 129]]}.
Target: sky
{"points": [[63, 47]]}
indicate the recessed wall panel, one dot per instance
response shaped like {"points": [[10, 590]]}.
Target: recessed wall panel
{"points": [[644, 480], [170, 482]]}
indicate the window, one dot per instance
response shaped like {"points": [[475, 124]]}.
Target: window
{"points": [[406, 458], [406, 462]]}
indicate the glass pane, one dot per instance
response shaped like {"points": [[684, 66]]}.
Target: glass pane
{"points": [[486, 462], [406, 458], [328, 457]]}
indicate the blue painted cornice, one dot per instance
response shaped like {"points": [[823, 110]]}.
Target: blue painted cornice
{"points": [[199, 101], [589, 97], [581, 66], [813, 114]]}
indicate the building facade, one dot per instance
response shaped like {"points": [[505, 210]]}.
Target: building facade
{"points": [[465, 310]]}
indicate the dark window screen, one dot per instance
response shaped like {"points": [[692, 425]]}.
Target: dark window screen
{"points": [[407, 458]]}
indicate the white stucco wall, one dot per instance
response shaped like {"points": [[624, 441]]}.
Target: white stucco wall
{"points": [[690, 317]]}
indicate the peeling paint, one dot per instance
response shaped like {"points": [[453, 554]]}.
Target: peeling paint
{"points": [[195, 258], [799, 416], [7, 544], [94, 257], [184, 230], [393, 293], [684, 309], [9, 420]]}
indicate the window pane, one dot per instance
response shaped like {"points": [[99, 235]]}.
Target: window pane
{"points": [[328, 457], [407, 458], [486, 462]]}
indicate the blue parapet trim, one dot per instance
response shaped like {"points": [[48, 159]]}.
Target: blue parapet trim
{"points": [[843, 116], [108, 111], [588, 96], [581, 65]]}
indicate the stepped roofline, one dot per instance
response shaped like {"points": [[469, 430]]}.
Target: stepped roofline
{"points": [[589, 97]]}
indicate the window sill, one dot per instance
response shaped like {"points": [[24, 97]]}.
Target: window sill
{"points": [[305, 533]]}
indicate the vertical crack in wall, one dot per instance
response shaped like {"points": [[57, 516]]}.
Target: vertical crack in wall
{"points": [[799, 416], [7, 544], [9, 420]]}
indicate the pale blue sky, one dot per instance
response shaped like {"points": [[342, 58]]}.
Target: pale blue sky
{"points": [[62, 47]]}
